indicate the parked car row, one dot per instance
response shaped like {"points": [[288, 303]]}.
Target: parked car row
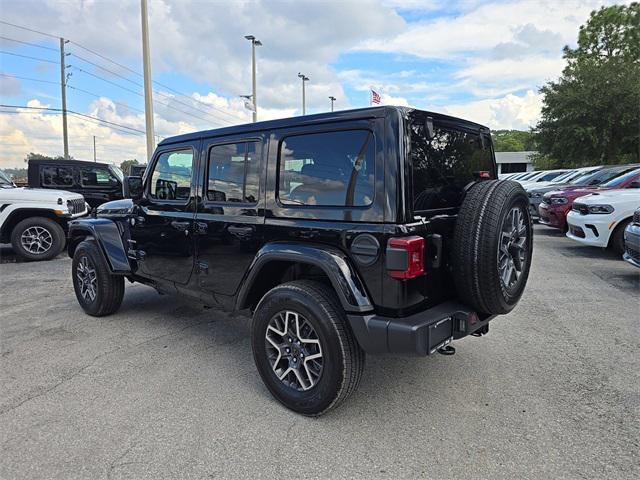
{"points": [[592, 205]]}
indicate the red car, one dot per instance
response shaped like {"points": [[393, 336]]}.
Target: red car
{"points": [[557, 204]]}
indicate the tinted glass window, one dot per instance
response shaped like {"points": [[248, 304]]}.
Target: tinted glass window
{"points": [[97, 177], [234, 172], [57, 176], [171, 177], [602, 176], [622, 179], [444, 164], [328, 169], [549, 176]]}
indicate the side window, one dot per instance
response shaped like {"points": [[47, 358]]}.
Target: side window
{"points": [[171, 177], [234, 172], [327, 169], [57, 176], [97, 177]]}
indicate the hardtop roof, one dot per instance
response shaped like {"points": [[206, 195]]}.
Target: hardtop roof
{"points": [[358, 113], [38, 161]]}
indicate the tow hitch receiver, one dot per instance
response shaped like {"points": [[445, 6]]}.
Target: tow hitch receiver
{"points": [[447, 350]]}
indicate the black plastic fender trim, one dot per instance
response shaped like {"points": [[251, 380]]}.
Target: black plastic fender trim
{"points": [[332, 261], [109, 239]]}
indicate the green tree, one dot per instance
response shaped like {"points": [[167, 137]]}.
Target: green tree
{"points": [[124, 166], [512, 141], [40, 156], [591, 115]]}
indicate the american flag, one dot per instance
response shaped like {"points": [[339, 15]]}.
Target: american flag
{"points": [[375, 97]]}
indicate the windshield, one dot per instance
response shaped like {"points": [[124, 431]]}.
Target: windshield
{"points": [[5, 181], [602, 176], [565, 176], [117, 172], [622, 179], [549, 176], [529, 176]]}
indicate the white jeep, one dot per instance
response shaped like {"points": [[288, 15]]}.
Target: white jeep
{"points": [[35, 220]]}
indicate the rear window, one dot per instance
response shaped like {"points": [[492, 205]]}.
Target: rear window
{"points": [[57, 176], [97, 177], [333, 169], [444, 164]]}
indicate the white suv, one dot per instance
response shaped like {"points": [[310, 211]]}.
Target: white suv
{"points": [[599, 219], [35, 220]]}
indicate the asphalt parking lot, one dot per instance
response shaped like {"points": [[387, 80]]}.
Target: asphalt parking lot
{"points": [[167, 389]]}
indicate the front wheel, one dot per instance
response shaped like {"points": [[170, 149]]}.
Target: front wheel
{"points": [[303, 348], [98, 291], [616, 242], [37, 238]]}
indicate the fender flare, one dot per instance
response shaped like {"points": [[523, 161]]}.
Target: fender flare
{"points": [[109, 238], [333, 262]]}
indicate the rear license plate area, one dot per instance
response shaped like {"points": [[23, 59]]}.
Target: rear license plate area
{"points": [[439, 334]]}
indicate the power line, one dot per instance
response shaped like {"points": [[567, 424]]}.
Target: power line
{"points": [[104, 80], [27, 78], [30, 29], [30, 58], [28, 43], [76, 113], [141, 95], [234, 116], [155, 91], [124, 105]]}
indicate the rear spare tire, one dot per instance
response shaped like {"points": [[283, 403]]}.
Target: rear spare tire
{"points": [[493, 246]]}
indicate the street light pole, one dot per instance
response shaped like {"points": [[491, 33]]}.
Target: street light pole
{"points": [[254, 43], [148, 99], [333, 99], [63, 86], [304, 79]]}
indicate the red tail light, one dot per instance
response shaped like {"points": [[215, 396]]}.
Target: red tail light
{"points": [[405, 257]]}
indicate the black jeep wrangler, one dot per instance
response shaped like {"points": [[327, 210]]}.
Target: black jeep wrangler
{"points": [[365, 231]]}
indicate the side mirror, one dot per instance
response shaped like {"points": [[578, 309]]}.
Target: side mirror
{"points": [[634, 184], [133, 187]]}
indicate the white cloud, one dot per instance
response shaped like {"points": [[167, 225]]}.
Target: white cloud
{"points": [[508, 112]]}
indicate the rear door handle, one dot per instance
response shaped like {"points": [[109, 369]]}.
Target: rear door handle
{"points": [[240, 231], [181, 226]]}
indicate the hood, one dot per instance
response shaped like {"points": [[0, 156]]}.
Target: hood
{"points": [[571, 192], [626, 196], [25, 194], [546, 188], [116, 207]]}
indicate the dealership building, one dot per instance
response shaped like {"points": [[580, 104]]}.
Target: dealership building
{"points": [[511, 162]]}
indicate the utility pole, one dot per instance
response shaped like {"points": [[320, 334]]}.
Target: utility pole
{"points": [[304, 79], [94, 149], [148, 99], [254, 43], [63, 86], [333, 99]]}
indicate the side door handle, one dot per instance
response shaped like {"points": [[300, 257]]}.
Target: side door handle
{"points": [[180, 226], [239, 231]]}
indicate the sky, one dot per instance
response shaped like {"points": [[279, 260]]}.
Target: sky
{"points": [[480, 60]]}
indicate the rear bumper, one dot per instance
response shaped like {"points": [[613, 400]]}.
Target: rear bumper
{"points": [[420, 334]]}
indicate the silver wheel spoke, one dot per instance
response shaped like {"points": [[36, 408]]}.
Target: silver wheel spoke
{"points": [[511, 256], [294, 350]]}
